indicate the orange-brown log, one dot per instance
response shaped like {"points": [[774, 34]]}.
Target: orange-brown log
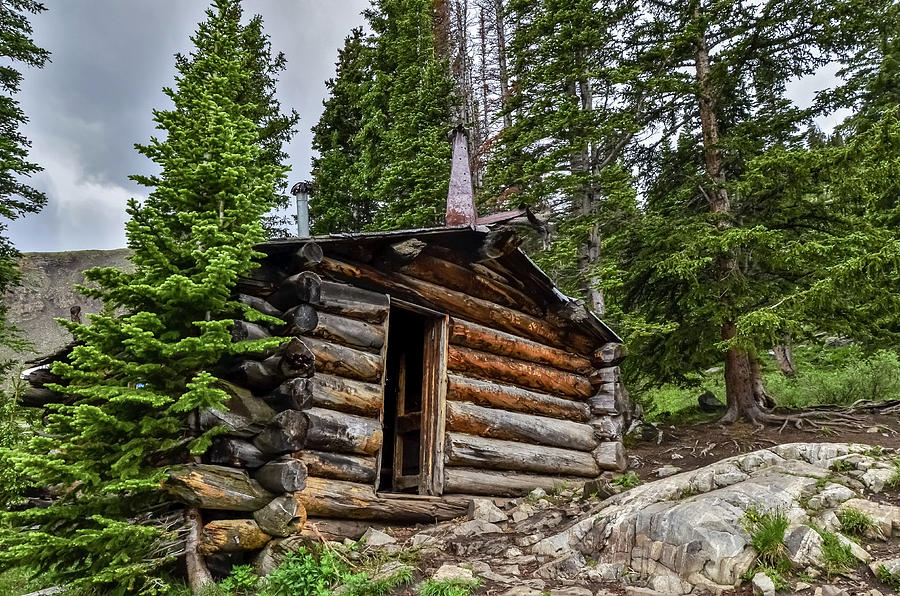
{"points": [[349, 301], [495, 454], [338, 466], [518, 372], [332, 431], [500, 484], [231, 536], [348, 500], [215, 487], [283, 516], [479, 337], [515, 399], [512, 426], [343, 361], [461, 305]]}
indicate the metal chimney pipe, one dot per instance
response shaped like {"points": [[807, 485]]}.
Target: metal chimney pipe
{"points": [[301, 192], [460, 198]]}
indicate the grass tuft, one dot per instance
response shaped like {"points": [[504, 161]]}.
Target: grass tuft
{"points": [[855, 522], [837, 556], [449, 587], [627, 480], [766, 528], [891, 579]]}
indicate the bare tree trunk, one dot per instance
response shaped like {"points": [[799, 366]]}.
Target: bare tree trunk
{"points": [[500, 32], [198, 573], [784, 356], [441, 26], [763, 399]]}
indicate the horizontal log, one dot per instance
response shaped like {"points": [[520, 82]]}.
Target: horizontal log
{"points": [[349, 301], [246, 331], [332, 431], [297, 360], [283, 475], [292, 394], [500, 484], [609, 426], [215, 487], [260, 304], [231, 536], [302, 288], [243, 414], [347, 332], [611, 456], [338, 466], [336, 530], [283, 516], [307, 255], [41, 376], [38, 397], [237, 453], [460, 305], [507, 397], [345, 395], [348, 500], [512, 370], [285, 434], [495, 454], [479, 337], [603, 403], [299, 320], [343, 361], [610, 354], [463, 279], [512, 426]]}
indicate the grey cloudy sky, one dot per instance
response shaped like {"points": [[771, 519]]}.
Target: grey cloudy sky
{"points": [[111, 59]]}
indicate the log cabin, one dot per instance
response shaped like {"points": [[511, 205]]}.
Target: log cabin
{"points": [[420, 368]]}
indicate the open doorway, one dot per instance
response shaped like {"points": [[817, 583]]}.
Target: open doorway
{"points": [[413, 402]]}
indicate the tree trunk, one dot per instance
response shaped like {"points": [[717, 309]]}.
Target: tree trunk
{"points": [[759, 385], [784, 356], [500, 30], [198, 573]]}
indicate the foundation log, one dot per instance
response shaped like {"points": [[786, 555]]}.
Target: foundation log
{"points": [[284, 475], [343, 361], [332, 431], [231, 536], [516, 399], [525, 374], [512, 426], [611, 456], [235, 453], [338, 466], [283, 516], [349, 301], [478, 452], [215, 487], [336, 530], [286, 433], [479, 337], [499, 484]]}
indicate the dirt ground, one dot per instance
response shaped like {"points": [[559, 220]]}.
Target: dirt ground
{"points": [[692, 446]]}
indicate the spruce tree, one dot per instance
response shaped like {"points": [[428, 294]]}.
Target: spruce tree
{"points": [[147, 362]]}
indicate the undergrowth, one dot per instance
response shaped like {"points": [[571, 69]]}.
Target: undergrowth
{"points": [[894, 480], [888, 578], [449, 587]]}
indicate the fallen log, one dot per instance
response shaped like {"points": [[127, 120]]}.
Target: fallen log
{"points": [[283, 516], [611, 456], [283, 475], [519, 372], [512, 426], [348, 500], [349, 301], [302, 288], [286, 433], [495, 454], [231, 536], [507, 397], [343, 361], [215, 487], [235, 453], [500, 484], [332, 431], [338, 466], [346, 331]]}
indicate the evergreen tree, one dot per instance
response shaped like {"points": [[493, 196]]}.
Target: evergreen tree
{"points": [[146, 363]]}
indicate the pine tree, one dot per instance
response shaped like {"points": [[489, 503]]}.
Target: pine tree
{"points": [[146, 362]]}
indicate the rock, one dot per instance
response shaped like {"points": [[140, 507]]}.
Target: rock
{"points": [[666, 471], [800, 586], [891, 565], [873, 430], [423, 539], [598, 488], [448, 571], [804, 547], [708, 402], [274, 552], [885, 516], [523, 591], [389, 570], [376, 538], [763, 585], [855, 549], [635, 591], [829, 590], [522, 512], [571, 591], [485, 510], [537, 494], [512, 570], [830, 497], [475, 527]]}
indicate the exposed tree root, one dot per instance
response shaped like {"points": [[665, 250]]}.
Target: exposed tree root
{"points": [[815, 418]]}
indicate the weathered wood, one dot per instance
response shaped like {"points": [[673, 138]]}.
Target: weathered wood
{"points": [[300, 319], [41, 376], [235, 453], [283, 475], [507, 397], [246, 331], [495, 454], [345, 395], [197, 571], [499, 484], [231, 536], [460, 305], [405, 251], [611, 456], [260, 304], [609, 426], [336, 530], [499, 242], [302, 288], [346, 331], [343, 361], [243, 414], [348, 500], [236, 424], [38, 397], [349, 301], [293, 394], [610, 354], [603, 403], [332, 431], [215, 487], [512, 370], [512, 426], [433, 418], [297, 360], [283, 516], [338, 466], [469, 281], [307, 255], [257, 375], [286, 433]]}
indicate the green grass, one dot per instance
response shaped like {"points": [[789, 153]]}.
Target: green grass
{"points": [[894, 480], [854, 522], [766, 528], [628, 480], [841, 465], [837, 556], [891, 579], [19, 580], [449, 587]]}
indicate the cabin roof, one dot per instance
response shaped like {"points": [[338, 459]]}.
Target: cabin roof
{"points": [[570, 309]]}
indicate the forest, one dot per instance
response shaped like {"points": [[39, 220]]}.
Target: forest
{"points": [[736, 222]]}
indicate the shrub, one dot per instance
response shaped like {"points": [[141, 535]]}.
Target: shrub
{"points": [[449, 587], [241, 580], [302, 572], [766, 528], [855, 522]]}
